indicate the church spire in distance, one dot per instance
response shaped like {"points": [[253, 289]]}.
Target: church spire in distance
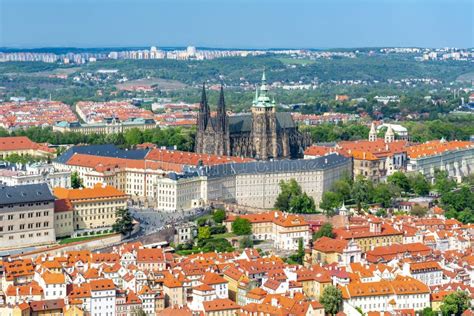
{"points": [[203, 109], [221, 111]]}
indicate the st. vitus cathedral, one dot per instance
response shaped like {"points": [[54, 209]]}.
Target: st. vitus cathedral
{"points": [[262, 134]]}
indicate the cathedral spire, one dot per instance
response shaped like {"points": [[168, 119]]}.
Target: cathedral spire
{"points": [[221, 112], [262, 100], [203, 109]]}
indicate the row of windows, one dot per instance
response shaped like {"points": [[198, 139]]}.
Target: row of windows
{"points": [[22, 226], [11, 217], [23, 205], [23, 236]]}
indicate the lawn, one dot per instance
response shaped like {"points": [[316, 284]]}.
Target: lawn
{"points": [[83, 238]]}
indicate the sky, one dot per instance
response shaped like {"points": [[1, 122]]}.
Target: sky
{"points": [[237, 23]]}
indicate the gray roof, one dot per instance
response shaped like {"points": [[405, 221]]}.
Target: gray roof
{"points": [[107, 150], [276, 166], [243, 122], [28, 193]]}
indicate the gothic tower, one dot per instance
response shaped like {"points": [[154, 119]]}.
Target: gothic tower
{"points": [[203, 120], [222, 127], [264, 127]]}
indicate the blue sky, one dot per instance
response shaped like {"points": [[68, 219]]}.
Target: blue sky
{"points": [[237, 23]]}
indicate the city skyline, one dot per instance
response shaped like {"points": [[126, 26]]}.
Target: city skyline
{"points": [[260, 25]]}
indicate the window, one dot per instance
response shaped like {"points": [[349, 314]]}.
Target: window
{"points": [[10, 217]]}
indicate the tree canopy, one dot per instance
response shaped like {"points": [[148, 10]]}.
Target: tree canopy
{"points": [[241, 226], [331, 299], [292, 199]]}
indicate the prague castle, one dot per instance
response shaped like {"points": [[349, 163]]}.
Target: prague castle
{"points": [[262, 134]]}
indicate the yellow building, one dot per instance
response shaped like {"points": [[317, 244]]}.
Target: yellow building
{"points": [[220, 307], [341, 251], [375, 234], [314, 280], [23, 146], [63, 218], [234, 277], [93, 207], [73, 310]]}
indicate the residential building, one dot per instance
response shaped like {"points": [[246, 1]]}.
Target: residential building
{"points": [[63, 218], [373, 234], [455, 157], [286, 230], [22, 146], [17, 174], [343, 252], [94, 207], [385, 296], [110, 125], [26, 216]]}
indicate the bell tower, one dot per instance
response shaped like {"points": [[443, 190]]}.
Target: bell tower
{"points": [[264, 127]]}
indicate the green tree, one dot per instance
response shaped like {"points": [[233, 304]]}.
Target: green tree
{"points": [[329, 202], [246, 242], [299, 255], [419, 185], [418, 210], [343, 189], [331, 299], [124, 222], [428, 311], [241, 226], [76, 181], [442, 183], [288, 190], [399, 179], [455, 303], [383, 194], [218, 216], [302, 204], [140, 312], [204, 232], [215, 244], [361, 192], [133, 136], [325, 230]]}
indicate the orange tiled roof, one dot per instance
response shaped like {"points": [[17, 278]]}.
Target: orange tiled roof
{"points": [[97, 192], [436, 147], [325, 244], [190, 158], [22, 143], [153, 255], [219, 305], [53, 278]]}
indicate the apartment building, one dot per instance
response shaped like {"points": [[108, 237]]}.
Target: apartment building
{"points": [[386, 296], [286, 230], [26, 216], [22, 146], [373, 234], [17, 174], [94, 207], [455, 157], [375, 158], [107, 126]]}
